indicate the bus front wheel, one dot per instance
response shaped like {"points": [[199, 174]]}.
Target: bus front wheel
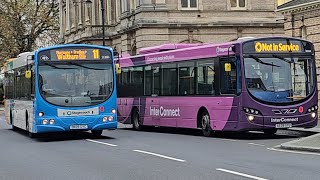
{"points": [[136, 123], [205, 124]]}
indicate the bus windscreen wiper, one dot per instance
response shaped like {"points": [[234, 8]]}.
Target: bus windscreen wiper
{"points": [[56, 67], [282, 58], [86, 67], [259, 61]]}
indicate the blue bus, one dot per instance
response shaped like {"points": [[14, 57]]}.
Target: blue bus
{"points": [[61, 88]]}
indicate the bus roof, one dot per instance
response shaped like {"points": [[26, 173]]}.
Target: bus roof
{"points": [[17, 62], [177, 52], [166, 47]]}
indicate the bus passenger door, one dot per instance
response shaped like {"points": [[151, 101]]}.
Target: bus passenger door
{"points": [[229, 88]]}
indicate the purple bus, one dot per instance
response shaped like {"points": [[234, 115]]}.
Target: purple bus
{"points": [[250, 84]]}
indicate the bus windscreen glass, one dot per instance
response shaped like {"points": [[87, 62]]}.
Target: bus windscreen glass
{"points": [[75, 77], [279, 79]]}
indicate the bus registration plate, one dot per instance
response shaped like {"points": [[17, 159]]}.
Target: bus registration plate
{"points": [[286, 125], [79, 126]]}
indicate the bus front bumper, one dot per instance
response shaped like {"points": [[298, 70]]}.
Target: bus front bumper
{"points": [[83, 127]]}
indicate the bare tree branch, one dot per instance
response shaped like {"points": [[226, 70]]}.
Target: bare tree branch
{"points": [[25, 24]]}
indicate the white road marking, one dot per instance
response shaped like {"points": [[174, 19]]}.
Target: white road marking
{"points": [[229, 140], [108, 144], [256, 144], [159, 155], [295, 152], [241, 174]]}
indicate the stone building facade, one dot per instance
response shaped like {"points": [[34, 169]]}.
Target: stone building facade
{"points": [[302, 19], [134, 24]]}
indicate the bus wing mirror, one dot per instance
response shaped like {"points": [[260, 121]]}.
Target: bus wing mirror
{"points": [[118, 69], [27, 74], [227, 67]]}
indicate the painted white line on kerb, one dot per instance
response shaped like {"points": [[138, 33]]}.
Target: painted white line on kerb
{"points": [[295, 152], [241, 174], [159, 155], [256, 144], [108, 144]]}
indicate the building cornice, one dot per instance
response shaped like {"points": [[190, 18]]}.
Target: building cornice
{"points": [[300, 7]]}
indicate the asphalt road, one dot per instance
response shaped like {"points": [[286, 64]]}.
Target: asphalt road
{"points": [[159, 153]]}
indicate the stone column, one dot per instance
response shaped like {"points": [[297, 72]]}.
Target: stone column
{"points": [[73, 17], [86, 15], [61, 15], [93, 12], [99, 10], [68, 16], [80, 14]]}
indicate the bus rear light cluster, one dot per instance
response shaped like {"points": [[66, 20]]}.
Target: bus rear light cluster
{"points": [[313, 109], [251, 111]]}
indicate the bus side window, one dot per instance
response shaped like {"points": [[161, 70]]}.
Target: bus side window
{"points": [[206, 74], [187, 78]]}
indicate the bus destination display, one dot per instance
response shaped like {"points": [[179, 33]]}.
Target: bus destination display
{"points": [[277, 46], [75, 54]]}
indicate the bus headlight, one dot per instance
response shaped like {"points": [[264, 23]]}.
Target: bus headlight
{"points": [[313, 115], [250, 118], [41, 114], [45, 121], [105, 119], [113, 111], [51, 121], [110, 118]]}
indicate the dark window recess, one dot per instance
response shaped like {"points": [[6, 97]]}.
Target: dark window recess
{"points": [[169, 79], [187, 78], [205, 82]]}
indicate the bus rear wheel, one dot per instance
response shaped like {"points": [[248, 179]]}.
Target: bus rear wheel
{"points": [[136, 123], [205, 124], [96, 133]]}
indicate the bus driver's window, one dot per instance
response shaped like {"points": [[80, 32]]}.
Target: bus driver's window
{"points": [[228, 79]]}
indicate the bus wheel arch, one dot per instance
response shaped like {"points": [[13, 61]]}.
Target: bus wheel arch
{"points": [[203, 122], [135, 119]]}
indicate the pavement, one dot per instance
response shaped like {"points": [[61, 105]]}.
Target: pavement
{"points": [[310, 143]]}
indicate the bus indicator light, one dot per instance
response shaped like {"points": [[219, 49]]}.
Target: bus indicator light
{"points": [[300, 109]]}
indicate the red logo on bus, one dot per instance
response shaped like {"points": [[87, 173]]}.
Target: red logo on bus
{"points": [[101, 108]]}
